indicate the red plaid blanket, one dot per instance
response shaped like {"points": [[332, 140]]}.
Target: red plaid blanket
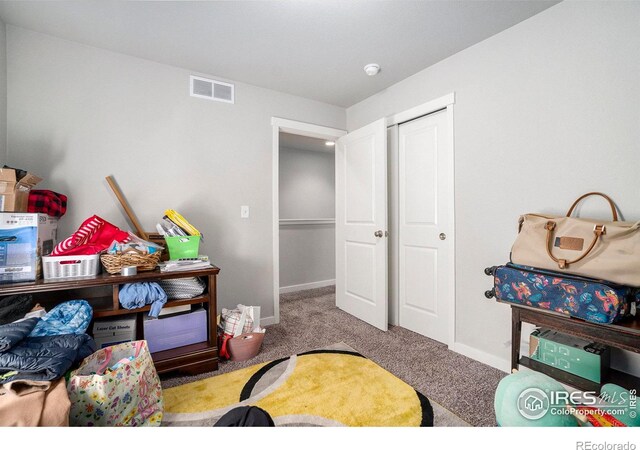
{"points": [[47, 202]]}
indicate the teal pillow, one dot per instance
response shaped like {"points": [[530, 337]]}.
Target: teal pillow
{"points": [[523, 400]]}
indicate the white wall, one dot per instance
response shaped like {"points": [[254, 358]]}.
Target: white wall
{"points": [[307, 184], [78, 113], [3, 93], [307, 191], [545, 111], [307, 255]]}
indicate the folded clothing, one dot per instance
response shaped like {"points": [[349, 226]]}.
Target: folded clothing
{"points": [[71, 317], [137, 295], [14, 307], [94, 235], [47, 202]]}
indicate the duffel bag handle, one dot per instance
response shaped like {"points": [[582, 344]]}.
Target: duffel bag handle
{"points": [[614, 213], [598, 230]]}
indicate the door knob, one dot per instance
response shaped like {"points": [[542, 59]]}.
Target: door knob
{"points": [[442, 236], [378, 233]]}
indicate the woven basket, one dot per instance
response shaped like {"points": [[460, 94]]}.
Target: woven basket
{"points": [[144, 262]]}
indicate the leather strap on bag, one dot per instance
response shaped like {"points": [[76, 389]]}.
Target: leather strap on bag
{"points": [[598, 230], [614, 213]]}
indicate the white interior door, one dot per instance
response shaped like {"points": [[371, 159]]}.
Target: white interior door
{"points": [[361, 224], [425, 291]]}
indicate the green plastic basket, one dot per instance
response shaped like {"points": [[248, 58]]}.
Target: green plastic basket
{"points": [[183, 246]]}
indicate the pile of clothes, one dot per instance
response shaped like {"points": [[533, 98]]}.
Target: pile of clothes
{"points": [[35, 354]]}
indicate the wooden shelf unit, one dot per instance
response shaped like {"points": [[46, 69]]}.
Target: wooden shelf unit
{"points": [[100, 313], [624, 335], [190, 359]]}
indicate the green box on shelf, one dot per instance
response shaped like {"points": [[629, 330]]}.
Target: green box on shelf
{"points": [[183, 246], [585, 359]]}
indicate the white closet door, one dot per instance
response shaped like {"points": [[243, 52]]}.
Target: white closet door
{"points": [[361, 224], [425, 253]]}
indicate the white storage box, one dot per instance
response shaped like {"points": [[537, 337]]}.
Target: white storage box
{"points": [[114, 331], [75, 266]]}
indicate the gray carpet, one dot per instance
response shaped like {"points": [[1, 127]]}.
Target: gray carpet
{"points": [[310, 320]]}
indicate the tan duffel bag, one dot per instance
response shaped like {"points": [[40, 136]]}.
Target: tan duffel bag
{"points": [[591, 248]]}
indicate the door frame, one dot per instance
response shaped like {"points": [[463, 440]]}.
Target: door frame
{"points": [[281, 125], [444, 103]]}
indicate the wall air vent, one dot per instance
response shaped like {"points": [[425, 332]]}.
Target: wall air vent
{"points": [[212, 89]]}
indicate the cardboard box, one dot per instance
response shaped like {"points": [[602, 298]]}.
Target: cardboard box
{"points": [[176, 331], [585, 359], [18, 247], [114, 331], [14, 191]]}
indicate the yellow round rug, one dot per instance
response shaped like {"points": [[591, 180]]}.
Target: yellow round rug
{"points": [[317, 388]]}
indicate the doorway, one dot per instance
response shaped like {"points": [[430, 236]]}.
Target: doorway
{"points": [[394, 226], [307, 213], [302, 219]]}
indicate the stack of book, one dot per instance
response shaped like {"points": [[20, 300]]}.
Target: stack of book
{"points": [[178, 265], [173, 224]]}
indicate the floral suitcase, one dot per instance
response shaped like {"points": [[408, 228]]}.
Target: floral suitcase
{"points": [[583, 298]]}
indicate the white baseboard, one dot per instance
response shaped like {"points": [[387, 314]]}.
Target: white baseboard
{"points": [[305, 286], [271, 320], [482, 356]]}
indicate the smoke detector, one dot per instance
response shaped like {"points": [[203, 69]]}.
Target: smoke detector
{"points": [[372, 69]]}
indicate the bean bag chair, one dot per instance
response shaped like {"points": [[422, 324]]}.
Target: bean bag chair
{"points": [[522, 400], [70, 317]]}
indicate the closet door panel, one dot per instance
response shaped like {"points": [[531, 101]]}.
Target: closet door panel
{"points": [[424, 252]]}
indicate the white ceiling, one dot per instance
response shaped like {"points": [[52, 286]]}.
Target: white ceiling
{"points": [[312, 48], [297, 142]]}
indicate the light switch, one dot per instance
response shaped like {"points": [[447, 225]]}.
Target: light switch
{"points": [[244, 212]]}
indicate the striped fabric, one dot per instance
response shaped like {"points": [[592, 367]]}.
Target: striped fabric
{"points": [[80, 237], [94, 235]]}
